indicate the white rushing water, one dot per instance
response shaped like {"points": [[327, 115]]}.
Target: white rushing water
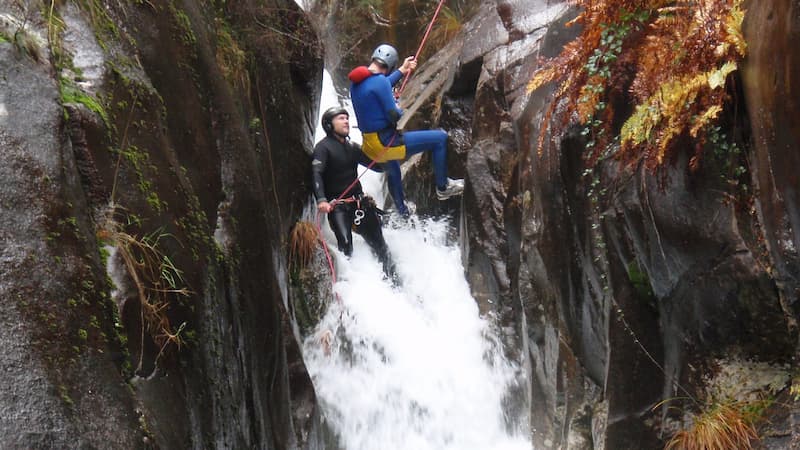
{"points": [[414, 367]]}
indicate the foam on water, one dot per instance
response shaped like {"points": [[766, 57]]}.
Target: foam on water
{"points": [[414, 367]]}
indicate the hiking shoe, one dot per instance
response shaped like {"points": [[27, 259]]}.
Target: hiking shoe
{"points": [[454, 187], [458, 181]]}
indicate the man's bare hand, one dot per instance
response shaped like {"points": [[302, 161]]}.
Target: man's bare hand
{"points": [[325, 207], [409, 64]]}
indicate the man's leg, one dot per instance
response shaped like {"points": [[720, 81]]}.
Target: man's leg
{"points": [[436, 142], [370, 230], [340, 220], [392, 170]]}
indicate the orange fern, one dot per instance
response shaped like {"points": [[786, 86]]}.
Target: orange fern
{"points": [[671, 58]]}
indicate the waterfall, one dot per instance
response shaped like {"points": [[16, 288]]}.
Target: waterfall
{"points": [[412, 367]]}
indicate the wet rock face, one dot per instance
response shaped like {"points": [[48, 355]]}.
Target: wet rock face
{"points": [[61, 387], [770, 74], [196, 124], [611, 304]]}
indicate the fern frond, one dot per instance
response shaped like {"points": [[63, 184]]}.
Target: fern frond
{"points": [[668, 109], [733, 27], [661, 54], [705, 119], [543, 76], [716, 78]]}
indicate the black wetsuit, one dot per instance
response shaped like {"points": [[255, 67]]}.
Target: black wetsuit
{"points": [[334, 168]]}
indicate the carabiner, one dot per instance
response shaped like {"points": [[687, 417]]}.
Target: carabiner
{"points": [[359, 215]]}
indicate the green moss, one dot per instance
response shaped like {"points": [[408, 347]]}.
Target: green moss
{"points": [[71, 93], [104, 28], [63, 392], [185, 25], [83, 334], [231, 59], [640, 281], [195, 225], [140, 161], [190, 335], [155, 202]]}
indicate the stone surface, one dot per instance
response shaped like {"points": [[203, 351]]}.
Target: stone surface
{"points": [[683, 266], [770, 75], [216, 156], [214, 118]]}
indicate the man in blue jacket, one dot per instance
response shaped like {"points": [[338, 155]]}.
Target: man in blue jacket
{"points": [[377, 114]]}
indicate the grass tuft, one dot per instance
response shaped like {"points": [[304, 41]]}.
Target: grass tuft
{"points": [[302, 244], [153, 273], [723, 426]]}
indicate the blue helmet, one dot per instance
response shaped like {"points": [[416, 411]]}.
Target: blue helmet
{"points": [[387, 55]]}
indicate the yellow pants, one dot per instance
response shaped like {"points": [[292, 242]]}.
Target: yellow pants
{"points": [[378, 152]]}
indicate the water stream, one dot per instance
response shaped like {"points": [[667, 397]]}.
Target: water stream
{"points": [[415, 367]]}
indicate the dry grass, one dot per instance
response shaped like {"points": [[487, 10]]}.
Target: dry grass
{"points": [[153, 274], [724, 426], [302, 244]]}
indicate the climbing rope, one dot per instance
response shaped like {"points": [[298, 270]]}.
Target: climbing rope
{"points": [[421, 44]]}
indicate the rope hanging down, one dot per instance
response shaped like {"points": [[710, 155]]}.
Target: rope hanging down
{"points": [[422, 44], [385, 149]]}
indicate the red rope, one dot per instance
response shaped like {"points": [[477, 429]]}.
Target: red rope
{"points": [[327, 256], [422, 43], [369, 166], [385, 149]]}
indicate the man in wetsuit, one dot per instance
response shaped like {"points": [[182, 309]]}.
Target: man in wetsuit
{"points": [[334, 169], [377, 113]]}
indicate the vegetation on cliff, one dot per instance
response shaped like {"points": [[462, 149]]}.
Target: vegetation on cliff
{"points": [[671, 59], [647, 81]]}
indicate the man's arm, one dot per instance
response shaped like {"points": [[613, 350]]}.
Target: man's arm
{"points": [[409, 64], [318, 165], [394, 77]]}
